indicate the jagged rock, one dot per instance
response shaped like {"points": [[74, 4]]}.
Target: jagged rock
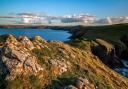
{"points": [[26, 42], [61, 64], [11, 39], [81, 83], [38, 42], [18, 59], [38, 38]]}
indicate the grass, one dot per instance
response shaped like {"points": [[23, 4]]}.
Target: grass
{"points": [[24, 82], [68, 77], [80, 43], [15, 84], [35, 82], [113, 32], [39, 55]]}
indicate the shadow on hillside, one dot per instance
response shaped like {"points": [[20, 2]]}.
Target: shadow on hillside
{"points": [[4, 71]]}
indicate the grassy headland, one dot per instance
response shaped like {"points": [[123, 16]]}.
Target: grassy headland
{"points": [[91, 54]]}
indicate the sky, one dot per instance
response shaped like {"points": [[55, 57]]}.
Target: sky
{"points": [[99, 8]]}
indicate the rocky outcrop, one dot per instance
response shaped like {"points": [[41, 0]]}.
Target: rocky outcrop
{"points": [[38, 42], [81, 83], [112, 53], [26, 42], [59, 66], [18, 59], [107, 53]]}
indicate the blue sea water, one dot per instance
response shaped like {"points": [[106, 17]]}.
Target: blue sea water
{"points": [[124, 70], [48, 34]]}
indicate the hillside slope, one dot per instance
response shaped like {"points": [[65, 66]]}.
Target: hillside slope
{"points": [[37, 64]]}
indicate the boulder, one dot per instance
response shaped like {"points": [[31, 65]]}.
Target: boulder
{"points": [[81, 83]]}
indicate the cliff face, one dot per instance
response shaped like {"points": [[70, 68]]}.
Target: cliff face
{"points": [[37, 64]]}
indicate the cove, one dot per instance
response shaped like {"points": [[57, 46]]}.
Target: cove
{"points": [[47, 34]]}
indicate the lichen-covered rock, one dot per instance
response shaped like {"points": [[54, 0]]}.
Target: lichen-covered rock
{"points": [[39, 42], [26, 42], [38, 38], [18, 59], [81, 83], [59, 66]]}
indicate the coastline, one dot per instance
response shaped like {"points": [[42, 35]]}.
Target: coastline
{"points": [[64, 25], [77, 31]]}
